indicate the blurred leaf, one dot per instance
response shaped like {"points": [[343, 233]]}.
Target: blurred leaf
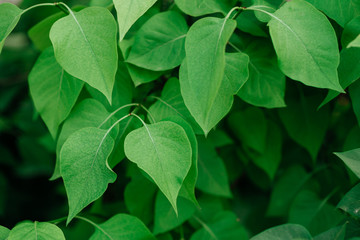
{"points": [[286, 231], [350, 202]]}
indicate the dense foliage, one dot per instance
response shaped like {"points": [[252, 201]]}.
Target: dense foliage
{"points": [[180, 119]]}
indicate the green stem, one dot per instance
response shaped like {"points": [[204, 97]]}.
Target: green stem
{"points": [[95, 225], [38, 5], [234, 47], [117, 110], [57, 221], [205, 226]]}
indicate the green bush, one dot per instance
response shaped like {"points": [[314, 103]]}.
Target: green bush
{"points": [[185, 119]]}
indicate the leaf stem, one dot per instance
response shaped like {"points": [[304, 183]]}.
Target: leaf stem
{"points": [[57, 221], [205, 226], [38, 5], [94, 224], [117, 110]]}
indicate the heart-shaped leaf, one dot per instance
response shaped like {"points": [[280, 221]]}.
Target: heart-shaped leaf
{"points": [[92, 57], [163, 151], [84, 167]]}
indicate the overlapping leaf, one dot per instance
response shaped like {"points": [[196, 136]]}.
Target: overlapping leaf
{"points": [[159, 44], [9, 17], [53, 90], [306, 45], [202, 72], [84, 167], [163, 151], [122, 227], [36, 230], [92, 57], [130, 11]]}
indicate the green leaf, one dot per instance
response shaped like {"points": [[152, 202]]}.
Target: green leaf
{"points": [[212, 177], [335, 233], [351, 31], [84, 167], [88, 113], [224, 225], [165, 217], [163, 151], [294, 29], [236, 72], [249, 23], [4, 232], [159, 44], [355, 100], [355, 43], [352, 160], [39, 34], [304, 123], [138, 75], [9, 17], [141, 207], [205, 65], [188, 188], [250, 127], [171, 103], [350, 202], [313, 213], [269, 160], [349, 71], [36, 230], [130, 11], [53, 90], [285, 190], [122, 227], [197, 8], [342, 11], [92, 57], [266, 84], [286, 231]]}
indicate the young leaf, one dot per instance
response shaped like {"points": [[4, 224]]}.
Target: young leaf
{"points": [[266, 84], [84, 167], [349, 71], [36, 230], [286, 231], [53, 90], [9, 16], [122, 227], [342, 11], [224, 225], [205, 65], [163, 151], [165, 217], [212, 172], [294, 29], [352, 160], [130, 11], [159, 44], [197, 8], [4, 232], [88, 113], [350, 202], [171, 103], [92, 57], [304, 123]]}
